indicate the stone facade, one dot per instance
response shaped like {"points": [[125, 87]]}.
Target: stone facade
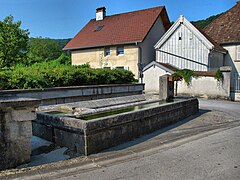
{"points": [[96, 58], [16, 131], [166, 88]]}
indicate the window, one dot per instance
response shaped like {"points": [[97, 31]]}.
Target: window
{"points": [[98, 28], [107, 51], [238, 52], [107, 68], [180, 36], [120, 67], [120, 50]]}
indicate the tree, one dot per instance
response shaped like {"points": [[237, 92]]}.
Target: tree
{"points": [[203, 23], [43, 49], [13, 42]]}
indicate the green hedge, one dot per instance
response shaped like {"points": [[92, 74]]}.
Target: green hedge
{"points": [[46, 75]]}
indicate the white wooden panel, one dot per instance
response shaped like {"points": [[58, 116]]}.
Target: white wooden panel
{"points": [[182, 53]]}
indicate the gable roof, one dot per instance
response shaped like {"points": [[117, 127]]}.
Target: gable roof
{"points": [[226, 28], [207, 41], [123, 28], [165, 66]]}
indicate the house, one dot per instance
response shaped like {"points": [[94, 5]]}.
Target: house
{"points": [[153, 71], [187, 47], [123, 41], [225, 30], [184, 46]]}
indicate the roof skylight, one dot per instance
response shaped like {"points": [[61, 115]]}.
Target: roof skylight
{"points": [[99, 28]]}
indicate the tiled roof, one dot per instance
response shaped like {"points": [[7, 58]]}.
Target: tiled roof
{"points": [[205, 73], [165, 66], [226, 28], [169, 66], [123, 28], [216, 45]]}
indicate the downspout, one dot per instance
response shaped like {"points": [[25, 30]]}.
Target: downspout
{"points": [[140, 65]]}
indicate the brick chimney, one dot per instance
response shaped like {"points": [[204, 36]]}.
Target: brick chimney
{"points": [[100, 13]]}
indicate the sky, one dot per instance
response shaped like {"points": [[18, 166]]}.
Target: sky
{"points": [[61, 19]]}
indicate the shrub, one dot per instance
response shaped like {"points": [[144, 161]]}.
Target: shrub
{"points": [[54, 74], [218, 75], [185, 74]]}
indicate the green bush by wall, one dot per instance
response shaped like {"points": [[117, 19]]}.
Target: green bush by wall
{"points": [[54, 74]]}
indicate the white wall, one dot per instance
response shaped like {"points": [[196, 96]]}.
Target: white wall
{"points": [[235, 96], [151, 78], [201, 86], [190, 48], [231, 57], [231, 60], [148, 51], [204, 87]]}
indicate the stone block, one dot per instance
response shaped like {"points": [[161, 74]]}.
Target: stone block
{"points": [[23, 114], [71, 139], [119, 89], [104, 90], [87, 92], [226, 68], [43, 131], [139, 87], [16, 130]]}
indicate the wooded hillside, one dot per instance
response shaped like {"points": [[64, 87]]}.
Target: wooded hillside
{"points": [[203, 23]]}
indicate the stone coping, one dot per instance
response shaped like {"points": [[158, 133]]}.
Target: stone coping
{"points": [[95, 104], [18, 102], [66, 88]]}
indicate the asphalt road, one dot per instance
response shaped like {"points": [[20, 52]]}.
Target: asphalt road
{"points": [[204, 146]]}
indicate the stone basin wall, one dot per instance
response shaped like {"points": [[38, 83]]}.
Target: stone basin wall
{"points": [[60, 95], [16, 130], [88, 137]]}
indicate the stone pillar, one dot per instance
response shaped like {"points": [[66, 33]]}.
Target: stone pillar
{"points": [[226, 71], [166, 88], [16, 130]]}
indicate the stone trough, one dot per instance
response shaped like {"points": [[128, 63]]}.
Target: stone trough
{"points": [[65, 124]]}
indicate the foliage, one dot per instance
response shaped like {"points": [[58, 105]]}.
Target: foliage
{"points": [[63, 59], [203, 23], [61, 42], [53, 74], [218, 75], [13, 42], [43, 49], [185, 74]]}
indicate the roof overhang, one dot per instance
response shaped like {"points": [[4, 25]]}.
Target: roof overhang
{"points": [[154, 63], [183, 21], [100, 45], [220, 51], [230, 43]]}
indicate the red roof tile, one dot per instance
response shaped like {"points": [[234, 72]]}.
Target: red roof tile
{"points": [[226, 28], [169, 66], [123, 28], [216, 45], [205, 73]]}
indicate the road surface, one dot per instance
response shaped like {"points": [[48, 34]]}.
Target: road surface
{"points": [[204, 146]]}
